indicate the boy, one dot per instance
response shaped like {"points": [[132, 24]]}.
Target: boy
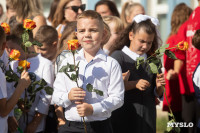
{"points": [[48, 36], [196, 74], [96, 68], [41, 68], [7, 105]]}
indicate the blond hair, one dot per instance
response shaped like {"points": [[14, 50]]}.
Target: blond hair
{"points": [[26, 8], [117, 22], [127, 9]]}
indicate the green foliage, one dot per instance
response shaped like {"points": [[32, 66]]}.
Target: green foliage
{"points": [[17, 113], [28, 44], [25, 37], [37, 43], [11, 75], [170, 54], [140, 60], [90, 88]]}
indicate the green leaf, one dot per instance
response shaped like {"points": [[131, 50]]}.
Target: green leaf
{"points": [[37, 43], [74, 77], [17, 113], [98, 92], [64, 68], [48, 90], [153, 68], [19, 69], [89, 87], [38, 89], [177, 129], [139, 60], [163, 48], [28, 44], [25, 37], [170, 54], [169, 129], [42, 82]]}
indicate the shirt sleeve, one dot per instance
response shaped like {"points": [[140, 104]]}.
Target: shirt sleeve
{"points": [[45, 99], [115, 90], [3, 89]]}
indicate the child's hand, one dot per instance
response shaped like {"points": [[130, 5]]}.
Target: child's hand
{"points": [[76, 94], [171, 74], [20, 104], [160, 80], [31, 128], [12, 124], [126, 75], [25, 79], [142, 84], [84, 109]]}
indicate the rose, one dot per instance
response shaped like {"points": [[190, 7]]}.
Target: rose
{"points": [[73, 45], [6, 28], [29, 24], [14, 54], [24, 64], [183, 45]]}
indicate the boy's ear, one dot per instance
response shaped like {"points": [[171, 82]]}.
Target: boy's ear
{"points": [[55, 44], [131, 35], [76, 33]]}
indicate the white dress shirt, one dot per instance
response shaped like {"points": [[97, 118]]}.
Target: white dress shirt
{"points": [[3, 94], [42, 68], [134, 56], [104, 73]]}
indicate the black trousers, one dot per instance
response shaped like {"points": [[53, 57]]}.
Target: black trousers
{"points": [[92, 127]]}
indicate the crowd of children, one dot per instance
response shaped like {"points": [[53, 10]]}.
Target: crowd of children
{"points": [[98, 88]]}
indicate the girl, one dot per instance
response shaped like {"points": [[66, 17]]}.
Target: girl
{"points": [[138, 114]]}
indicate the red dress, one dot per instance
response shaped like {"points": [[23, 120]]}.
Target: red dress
{"points": [[172, 86], [193, 54]]}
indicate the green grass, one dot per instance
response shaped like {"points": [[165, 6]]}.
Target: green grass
{"points": [[161, 124]]}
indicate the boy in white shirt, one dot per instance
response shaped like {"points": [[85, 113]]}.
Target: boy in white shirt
{"points": [[95, 68], [41, 68], [7, 105]]}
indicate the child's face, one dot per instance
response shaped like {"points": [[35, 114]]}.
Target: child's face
{"points": [[137, 10], [104, 10], [47, 51], [140, 42], [90, 34]]}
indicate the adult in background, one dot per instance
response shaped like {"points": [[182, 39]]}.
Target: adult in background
{"points": [[53, 8], [67, 11], [24, 9], [175, 69], [106, 8]]}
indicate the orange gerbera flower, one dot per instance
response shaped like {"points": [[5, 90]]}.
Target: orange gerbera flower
{"points": [[24, 64], [73, 45], [183, 45], [29, 24], [6, 28], [14, 54]]}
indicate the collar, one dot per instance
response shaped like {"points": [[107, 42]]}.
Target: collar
{"points": [[132, 54], [99, 55]]}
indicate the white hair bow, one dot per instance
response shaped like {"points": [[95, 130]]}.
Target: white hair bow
{"points": [[139, 18]]}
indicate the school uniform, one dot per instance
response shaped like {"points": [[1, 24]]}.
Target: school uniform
{"points": [[104, 73], [3, 94], [41, 68], [138, 114]]}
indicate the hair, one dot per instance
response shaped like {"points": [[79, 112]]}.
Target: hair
{"points": [[108, 34], [180, 14], [1, 8], [46, 34], [53, 8], [59, 14], [127, 9], [2, 36], [92, 15], [16, 34], [26, 8], [111, 5], [68, 32], [117, 21], [196, 39], [147, 26]]}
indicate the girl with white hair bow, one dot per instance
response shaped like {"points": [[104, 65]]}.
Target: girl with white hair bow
{"points": [[138, 114]]}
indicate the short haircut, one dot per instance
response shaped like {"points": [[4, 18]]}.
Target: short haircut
{"points": [[196, 39], [2, 36], [92, 15], [46, 34]]}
